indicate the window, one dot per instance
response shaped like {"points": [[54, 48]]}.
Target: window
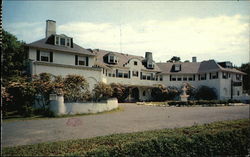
{"points": [[110, 74], [148, 77], [125, 75], [172, 78], [62, 41], [135, 62], [190, 78], [135, 73], [179, 78], [68, 42], [161, 79], [81, 60], [177, 67], [203, 76], [45, 56], [185, 78], [150, 65], [213, 75], [144, 77], [238, 77], [57, 40], [144, 93], [225, 75], [112, 59]]}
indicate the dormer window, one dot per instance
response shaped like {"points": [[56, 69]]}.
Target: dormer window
{"points": [[177, 67], [62, 41], [112, 59], [68, 42], [150, 65], [57, 40]]}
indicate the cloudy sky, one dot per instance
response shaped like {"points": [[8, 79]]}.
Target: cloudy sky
{"points": [[208, 30]]}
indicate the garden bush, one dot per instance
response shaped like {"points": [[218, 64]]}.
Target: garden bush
{"points": [[22, 94], [75, 88], [102, 91], [205, 93], [120, 91]]}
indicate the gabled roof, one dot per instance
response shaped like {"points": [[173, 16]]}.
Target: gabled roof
{"points": [[123, 59], [195, 67], [44, 45]]}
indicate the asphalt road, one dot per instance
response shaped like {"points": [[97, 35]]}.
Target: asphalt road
{"points": [[133, 118]]}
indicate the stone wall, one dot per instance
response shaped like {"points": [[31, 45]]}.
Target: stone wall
{"points": [[58, 106]]}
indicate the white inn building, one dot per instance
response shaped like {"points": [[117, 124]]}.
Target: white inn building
{"points": [[59, 55]]}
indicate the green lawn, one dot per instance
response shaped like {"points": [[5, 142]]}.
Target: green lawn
{"points": [[215, 139], [14, 116]]}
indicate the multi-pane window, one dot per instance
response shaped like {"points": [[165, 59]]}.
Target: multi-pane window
{"points": [[177, 67], [179, 78], [214, 75], [203, 76], [238, 77], [185, 78], [68, 42], [45, 56], [112, 59], [81, 60], [135, 73], [62, 41], [57, 40], [135, 62]]}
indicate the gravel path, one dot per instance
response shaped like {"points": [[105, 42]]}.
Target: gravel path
{"points": [[133, 118]]}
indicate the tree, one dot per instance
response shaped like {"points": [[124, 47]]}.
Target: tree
{"points": [[120, 91], [13, 55], [102, 91], [246, 79], [174, 59], [75, 88], [205, 93]]}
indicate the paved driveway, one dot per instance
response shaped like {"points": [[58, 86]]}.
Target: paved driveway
{"points": [[133, 118]]}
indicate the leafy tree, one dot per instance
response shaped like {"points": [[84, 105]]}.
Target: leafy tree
{"points": [[174, 59], [75, 88], [120, 91], [44, 87], [102, 91], [13, 55], [205, 93], [22, 94], [246, 79]]}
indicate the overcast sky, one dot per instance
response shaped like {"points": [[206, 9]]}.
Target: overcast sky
{"points": [[207, 30]]}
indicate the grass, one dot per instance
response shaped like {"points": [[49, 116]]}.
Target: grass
{"points": [[13, 116], [226, 137]]}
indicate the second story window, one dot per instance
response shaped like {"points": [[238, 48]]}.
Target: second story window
{"points": [[45, 56], [135, 73], [135, 62], [238, 77], [81, 60]]}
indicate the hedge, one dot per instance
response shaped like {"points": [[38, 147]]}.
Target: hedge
{"points": [[201, 102], [215, 139]]}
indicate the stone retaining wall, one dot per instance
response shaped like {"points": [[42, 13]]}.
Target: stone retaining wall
{"points": [[58, 106]]}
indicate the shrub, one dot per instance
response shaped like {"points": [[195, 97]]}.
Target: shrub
{"points": [[102, 91], [120, 91], [44, 87], [157, 93], [22, 93], [205, 93], [75, 88]]}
